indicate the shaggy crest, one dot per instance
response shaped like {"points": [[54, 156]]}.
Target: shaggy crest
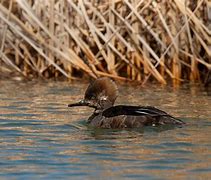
{"points": [[102, 89]]}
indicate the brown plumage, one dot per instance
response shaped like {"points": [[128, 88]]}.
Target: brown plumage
{"points": [[101, 95]]}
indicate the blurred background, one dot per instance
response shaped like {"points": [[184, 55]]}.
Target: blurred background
{"points": [[163, 41]]}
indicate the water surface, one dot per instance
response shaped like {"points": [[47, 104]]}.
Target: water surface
{"points": [[40, 138]]}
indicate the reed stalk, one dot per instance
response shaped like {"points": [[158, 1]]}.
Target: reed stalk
{"points": [[141, 40]]}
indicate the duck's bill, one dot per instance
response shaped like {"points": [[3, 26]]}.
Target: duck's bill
{"points": [[80, 103]]}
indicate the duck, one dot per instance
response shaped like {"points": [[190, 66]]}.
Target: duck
{"points": [[101, 96]]}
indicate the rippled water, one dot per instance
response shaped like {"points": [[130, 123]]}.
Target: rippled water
{"points": [[40, 138]]}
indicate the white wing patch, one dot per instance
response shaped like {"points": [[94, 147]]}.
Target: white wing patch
{"points": [[142, 112]]}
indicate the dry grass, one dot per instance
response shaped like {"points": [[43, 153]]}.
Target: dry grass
{"points": [[139, 39]]}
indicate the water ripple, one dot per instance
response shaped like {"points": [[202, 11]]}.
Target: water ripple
{"points": [[40, 138]]}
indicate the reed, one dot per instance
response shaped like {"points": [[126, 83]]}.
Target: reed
{"points": [[167, 41]]}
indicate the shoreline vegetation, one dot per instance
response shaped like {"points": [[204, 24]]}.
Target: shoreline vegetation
{"points": [[144, 41]]}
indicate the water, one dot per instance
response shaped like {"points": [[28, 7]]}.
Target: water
{"points": [[40, 138]]}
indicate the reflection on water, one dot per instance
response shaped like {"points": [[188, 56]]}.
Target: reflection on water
{"points": [[40, 137]]}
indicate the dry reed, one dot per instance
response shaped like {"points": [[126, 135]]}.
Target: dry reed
{"points": [[138, 40]]}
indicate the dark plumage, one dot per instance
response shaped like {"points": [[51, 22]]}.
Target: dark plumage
{"points": [[101, 95]]}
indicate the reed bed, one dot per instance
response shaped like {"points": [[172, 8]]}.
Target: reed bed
{"points": [[141, 40]]}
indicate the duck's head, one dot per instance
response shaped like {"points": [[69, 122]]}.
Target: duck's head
{"points": [[101, 94]]}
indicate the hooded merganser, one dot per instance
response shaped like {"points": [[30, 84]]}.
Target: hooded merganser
{"points": [[101, 95]]}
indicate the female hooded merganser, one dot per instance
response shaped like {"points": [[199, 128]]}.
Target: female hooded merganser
{"points": [[101, 95]]}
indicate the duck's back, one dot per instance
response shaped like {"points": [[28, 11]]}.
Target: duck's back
{"points": [[132, 117]]}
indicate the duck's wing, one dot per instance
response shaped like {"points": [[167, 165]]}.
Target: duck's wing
{"points": [[137, 116], [133, 111]]}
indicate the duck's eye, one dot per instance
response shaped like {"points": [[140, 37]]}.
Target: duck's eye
{"points": [[93, 97]]}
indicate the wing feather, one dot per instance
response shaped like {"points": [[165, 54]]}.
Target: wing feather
{"points": [[134, 111]]}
